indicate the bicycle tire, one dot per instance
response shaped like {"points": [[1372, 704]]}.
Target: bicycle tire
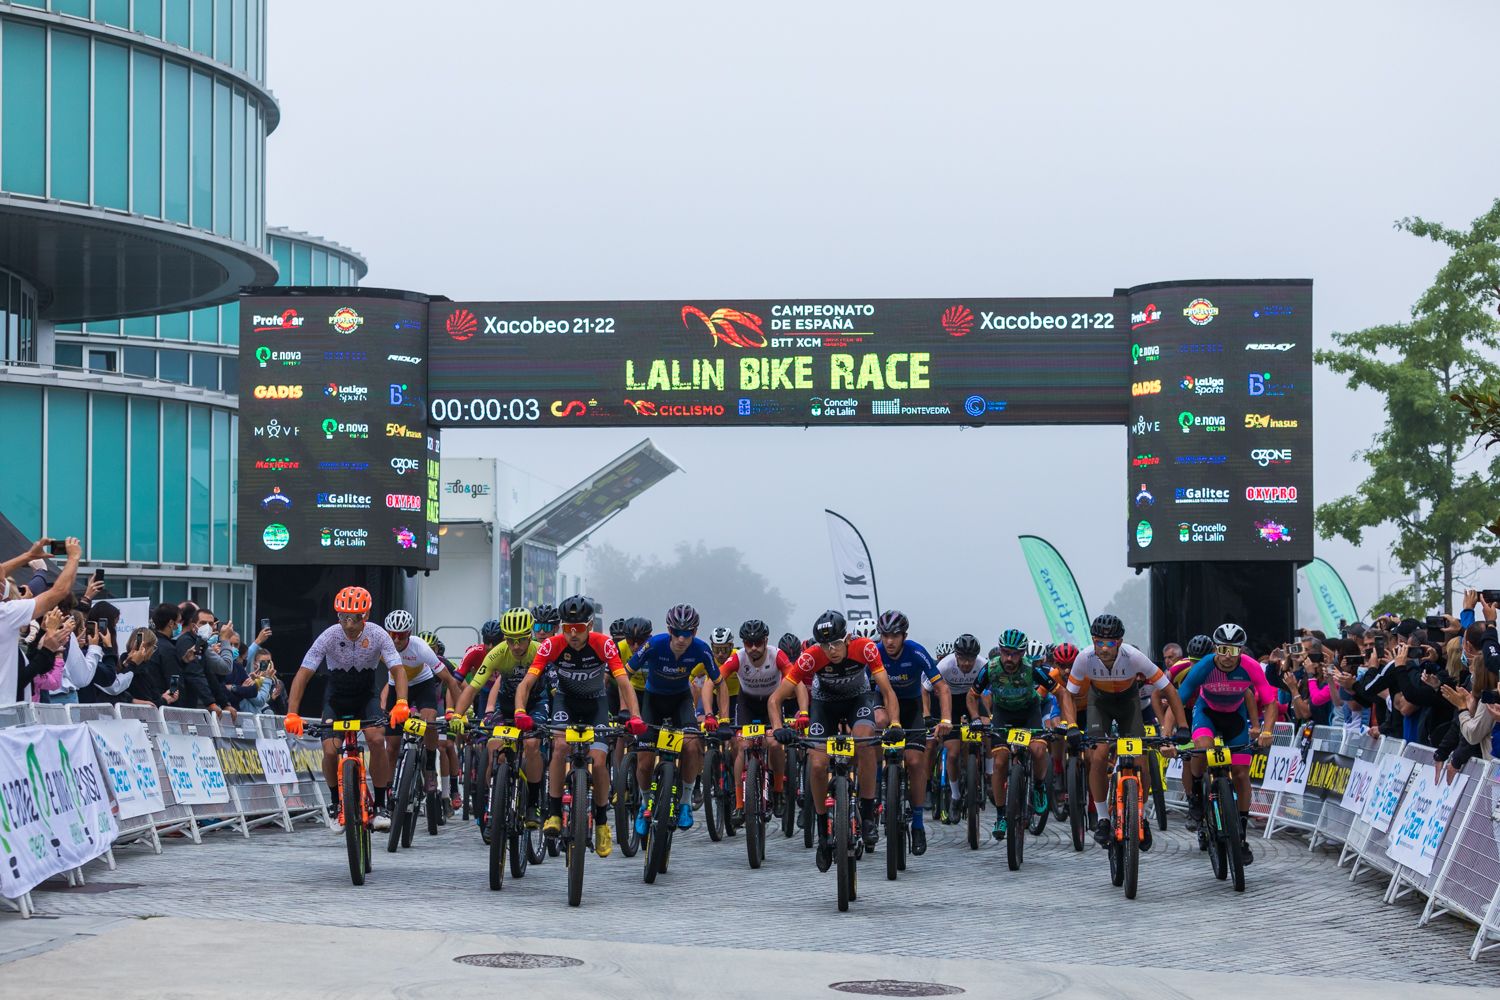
{"points": [[809, 814], [536, 839], [364, 847], [1159, 789], [516, 827], [1131, 843], [1016, 809], [895, 832], [842, 855], [499, 823], [435, 805], [578, 846], [1037, 821], [723, 786], [789, 796], [1078, 813], [403, 787], [711, 817], [354, 821], [1059, 790], [663, 818], [624, 803], [1236, 860], [971, 798], [754, 829]]}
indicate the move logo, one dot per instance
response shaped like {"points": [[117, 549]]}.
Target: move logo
{"points": [[1141, 353], [1189, 421], [278, 392], [1271, 494], [1202, 385], [345, 320], [1200, 494], [403, 501], [1150, 387], [288, 320], [1146, 317], [277, 429], [1142, 426], [1200, 312], [1270, 456], [1264, 421]]}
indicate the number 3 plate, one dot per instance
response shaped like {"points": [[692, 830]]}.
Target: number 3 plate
{"points": [[841, 746], [507, 733], [576, 734]]}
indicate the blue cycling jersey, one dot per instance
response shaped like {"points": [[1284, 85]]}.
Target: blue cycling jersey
{"points": [[666, 673], [907, 670]]}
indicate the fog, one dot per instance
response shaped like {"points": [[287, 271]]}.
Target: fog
{"points": [[600, 150]]}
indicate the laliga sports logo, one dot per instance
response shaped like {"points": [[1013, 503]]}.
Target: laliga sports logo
{"points": [[727, 324], [461, 325], [957, 320]]}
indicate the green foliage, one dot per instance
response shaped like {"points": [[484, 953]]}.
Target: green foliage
{"points": [[1424, 477], [717, 582]]}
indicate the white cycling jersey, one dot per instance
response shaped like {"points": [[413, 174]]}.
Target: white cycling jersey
{"points": [[959, 681], [420, 662], [1130, 665], [757, 680], [370, 650]]}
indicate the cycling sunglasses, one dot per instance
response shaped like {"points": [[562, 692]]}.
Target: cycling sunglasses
{"points": [[754, 642], [576, 628], [1106, 643], [1227, 650], [682, 633]]}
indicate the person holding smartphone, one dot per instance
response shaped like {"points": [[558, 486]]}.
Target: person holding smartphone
{"points": [[1478, 705], [20, 606]]}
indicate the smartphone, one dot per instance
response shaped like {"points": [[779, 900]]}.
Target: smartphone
{"points": [[1490, 596], [1490, 697], [1294, 648], [265, 623], [57, 546], [1435, 622], [1353, 661], [98, 576], [175, 684], [1380, 645]]}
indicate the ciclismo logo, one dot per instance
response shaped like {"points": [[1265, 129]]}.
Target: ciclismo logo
{"points": [[1143, 534], [278, 392], [1142, 353], [1200, 494], [1146, 317], [339, 428], [1260, 384], [343, 538], [1191, 421], [288, 320], [1270, 456], [1142, 426], [1145, 461], [345, 320], [403, 501], [1271, 494], [264, 356], [405, 465], [1190, 531], [1202, 385], [1150, 387], [1264, 421], [347, 393], [1200, 312], [343, 501]]}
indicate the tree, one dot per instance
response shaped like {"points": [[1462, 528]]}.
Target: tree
{"points": [[1424, 477], [718, 582]]}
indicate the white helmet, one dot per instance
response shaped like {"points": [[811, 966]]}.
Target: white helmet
{"points": [[399, 621], [1036, 650], [1229, 634], [865, 628], [721, 636]]}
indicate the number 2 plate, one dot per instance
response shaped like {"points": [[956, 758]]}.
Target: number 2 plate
{"points": [[576, 734], [669, 741], [971, 735], [1129, 747], [1217, 756], [1018, 738], [1150, 730], [841, 746]]}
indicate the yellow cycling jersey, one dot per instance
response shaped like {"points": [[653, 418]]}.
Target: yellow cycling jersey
{"points": [[732, 681], [637, 678], [499, 663]]}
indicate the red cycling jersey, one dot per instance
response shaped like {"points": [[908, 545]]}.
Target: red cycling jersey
{"points": [[580, 672], [473, 657], [847, 678]]}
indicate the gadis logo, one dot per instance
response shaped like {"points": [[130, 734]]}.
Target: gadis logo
{"points": [[461, 325], [958, 320]]}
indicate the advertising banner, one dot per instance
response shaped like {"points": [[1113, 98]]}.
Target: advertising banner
{"points": [[193, 769], [1062, 602], [125, 752], [1332, 597], [1286, 770], [1385, 796], [55, 812], [1361, 784], [240, 760], [853, 569], [1422, 821], [276, 761]]}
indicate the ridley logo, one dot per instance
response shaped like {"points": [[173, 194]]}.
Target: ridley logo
{"points": [[1145, 317], [957, 320], [461, 325], [722, 325]]}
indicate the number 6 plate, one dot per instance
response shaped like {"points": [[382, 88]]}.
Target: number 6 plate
{"points": [[1129, 747], [1018, 738], [841, 746], [346, 726], [1217, 756], [753, 730], [669, 741]]}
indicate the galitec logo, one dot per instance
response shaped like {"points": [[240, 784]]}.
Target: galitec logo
{"points": [[733, 327], [278, 392], [958, 320]]}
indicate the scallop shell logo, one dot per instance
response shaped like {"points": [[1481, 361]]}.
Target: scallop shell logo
{"points": [[461, 325], [958, 320]]}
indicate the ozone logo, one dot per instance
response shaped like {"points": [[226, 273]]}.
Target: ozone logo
{"points": [[958, 321], [461, 325]]}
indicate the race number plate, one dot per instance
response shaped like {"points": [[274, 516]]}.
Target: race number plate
{"points": [[669, 741], [753, 730], [346, 726], [841, 746], [1129, 747], [417, 727], [893, 744], [579, 734], [507, 733], [971, 735], [1218, 756], [1150, 730], [1018, 738]]}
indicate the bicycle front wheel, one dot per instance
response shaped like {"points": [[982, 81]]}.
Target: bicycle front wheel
{"points": [[1016, 807], [627, 802], [1230, 820], [499, 823], [755, 830], [404, 789], [578, 841], [971, 798], [843, 856], [663, 819], [713, 816], [515, 826], [895, 825], [1078, 813], [1131, 843], [355, 842]]}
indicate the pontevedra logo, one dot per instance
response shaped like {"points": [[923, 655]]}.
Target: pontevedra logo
{"points": [[958, 320], [461, 325], [732, 326], [288, 320], [278, 392], [1146, 317], [1271, 494]]}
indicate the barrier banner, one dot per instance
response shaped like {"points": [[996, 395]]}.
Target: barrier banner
{"points": [[193, 769], [276, 762], [1422, 821], [1380, 809], [125, 752], [55, 813], [1328, 777], [239, 759], [1361, 783], [1258, 761], [307, 757], [1286, 771]]}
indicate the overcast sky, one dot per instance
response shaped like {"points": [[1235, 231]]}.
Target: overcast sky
{"points": [[830, 150]]}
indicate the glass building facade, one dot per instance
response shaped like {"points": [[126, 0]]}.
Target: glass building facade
{"points": [[141, 125]]}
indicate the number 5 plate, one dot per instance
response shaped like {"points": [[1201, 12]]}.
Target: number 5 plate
{"points": [[576, 734], [507, 733], [841, 746], [1129, 747], [753, 730], [669, 741], [1018, 738], [1217, 756]]}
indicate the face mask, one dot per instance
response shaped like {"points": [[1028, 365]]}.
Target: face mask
{"points": [[1463, 657], [176, 630], [205, 631]]}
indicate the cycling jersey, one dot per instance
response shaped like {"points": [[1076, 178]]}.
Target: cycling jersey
{"points": [[908, 669], [420, 662], [1130, 665], [1013, 691], [627, 653], [344, 656], [836, 681], [731, 685], [580, 672], [1224, 691], [959, 681], [757, 681], [472, 658], [499, 665], [666, 672]]}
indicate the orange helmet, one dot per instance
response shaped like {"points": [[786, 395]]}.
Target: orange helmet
{"points": [[352, 601]]}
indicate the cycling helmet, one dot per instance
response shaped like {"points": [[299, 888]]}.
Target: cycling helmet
{"points": [[617, 629], [430, 638], [994, 652], [576, 610], [491, 631], [1229, 634], [436, 644], [809, 643], [893, 623], [399, 621], [1200, 646], [637, 631], [830, 627], [964, 645], [790, 645], [516, 623], [545, 614], [1013, 638], [755, 630], [865, 628], [683, 617], [1064, 653], [353, 601], [1107, 627], [1036, 649], [721, 636], [943, 649]]}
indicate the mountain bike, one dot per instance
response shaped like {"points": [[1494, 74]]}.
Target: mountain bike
{"points": [[791, 789], [1019, 809], [895, 806], [1219, 832], [353, 788], [408, 804], [576, 839], [848, 845], [664, 798], [971, 753], [1124, 808], [1156, 778], [625, 794], [757, 792], [510, 806], [471, 758], [1076, 789], [718, 784]]}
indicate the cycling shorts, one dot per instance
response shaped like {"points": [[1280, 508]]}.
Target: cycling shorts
{"points": [[1148, 715], [354, 694], [612, 692], [913, 722], [421, 696], [748, 709], [677, 710], [1123, 708], [828, 714], [1231, 727], [1026, 718], [580, 710]]}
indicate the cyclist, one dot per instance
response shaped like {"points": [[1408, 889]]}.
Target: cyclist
{"points": [[1230, 687], [1112, 669], [424, 668], [1198, 647], [546, 621], [864, 628], [1009, 696], [907, 665], [790, 645], [839, 669], [499, 674], [667, 661], [759, 673], [354, 651], [583, 660], [1063, 655], [721, 644], [960, 670]]}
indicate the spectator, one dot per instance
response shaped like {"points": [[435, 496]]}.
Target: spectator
{"points": [[1170, 654], [46, 649], [1474, 726], [148, 685], [257, 684], [19, 607]]}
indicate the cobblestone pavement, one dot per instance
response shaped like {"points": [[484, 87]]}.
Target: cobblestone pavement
{"points": [[1300, 915]]}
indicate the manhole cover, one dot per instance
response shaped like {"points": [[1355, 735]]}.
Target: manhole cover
{"points": [[524, 960], [896, 988]]}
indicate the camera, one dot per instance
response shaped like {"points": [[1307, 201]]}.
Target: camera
{"points": [[1294, 648], [1490, 596]]}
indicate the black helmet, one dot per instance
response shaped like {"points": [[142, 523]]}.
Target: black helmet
{"points": [[637, 631], [790, 645], [683, 617], [893, 623], [490, 631], [1107, 627], [1200, 646], [545, 614], [755, 630], [576, 609], [617, 629], [966, 645], [830, 627]]}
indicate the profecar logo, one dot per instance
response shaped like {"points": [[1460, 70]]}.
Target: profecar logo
{"points": [[345, 320], [1146, 317], [461, 325], [958, 320], [732, 326], [1200, 312], [288, 320]]}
